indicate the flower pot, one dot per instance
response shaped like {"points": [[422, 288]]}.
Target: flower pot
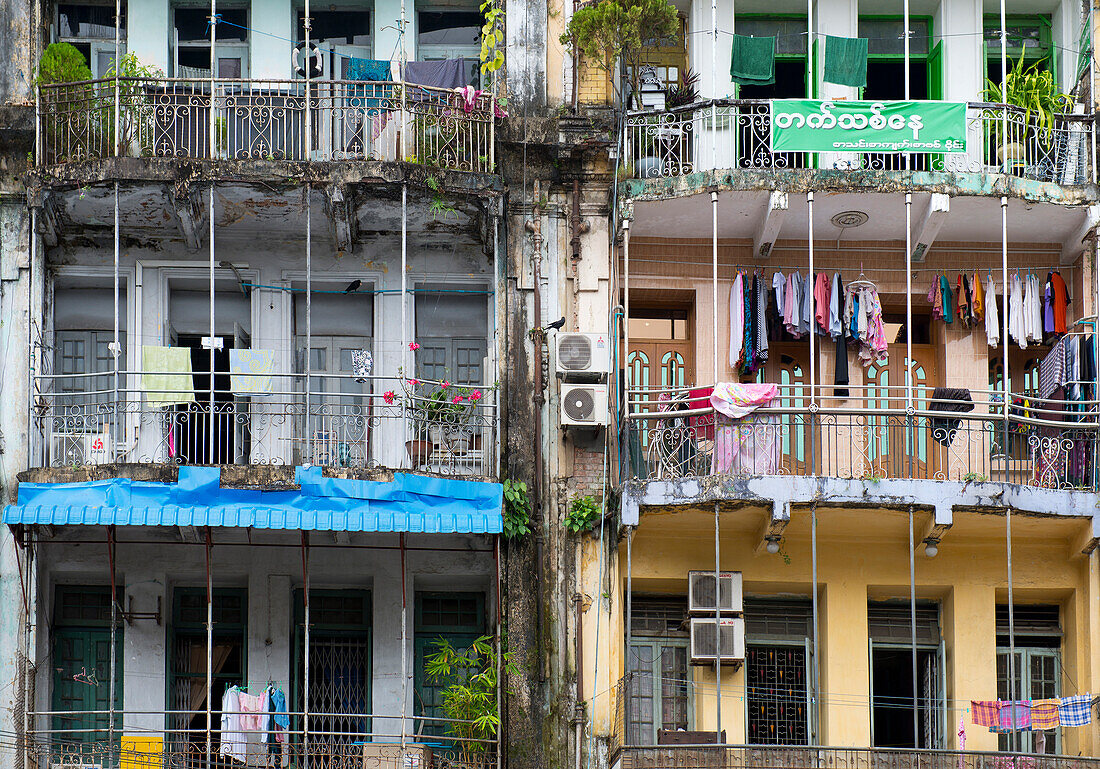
{"points": [[420, 452], [1011, 151]]}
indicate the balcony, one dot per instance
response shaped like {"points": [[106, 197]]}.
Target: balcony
{"points": [[347, 739], [330, 420], [803, 757], [735, 134], [206, 119], [870, 435]]}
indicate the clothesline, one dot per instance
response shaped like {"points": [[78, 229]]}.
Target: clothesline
{"points": [[770, 266]]}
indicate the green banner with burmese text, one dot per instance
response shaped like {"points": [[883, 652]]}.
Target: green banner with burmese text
{"points": [[810, 125]]}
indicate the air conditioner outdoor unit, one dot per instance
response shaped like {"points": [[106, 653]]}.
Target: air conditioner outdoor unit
{"points": [[67, 448], [704, 647], [584, 405], [701, 592], [583, 355]]}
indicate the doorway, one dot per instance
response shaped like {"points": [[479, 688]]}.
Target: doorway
{"points": [[892, 697], [205, 433]]}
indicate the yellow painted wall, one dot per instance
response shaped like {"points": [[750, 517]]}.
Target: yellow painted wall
{"points": [[862, 556]]}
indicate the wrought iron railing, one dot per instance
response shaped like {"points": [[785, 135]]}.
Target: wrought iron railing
{"points": [[265, 119], [871, 434], [806, 757], [736, 134], [352, 422], [332, 740]]}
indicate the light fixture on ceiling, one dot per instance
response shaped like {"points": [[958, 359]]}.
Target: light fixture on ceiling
{"points": [[930, 548], [772, 546], [847, 220]]}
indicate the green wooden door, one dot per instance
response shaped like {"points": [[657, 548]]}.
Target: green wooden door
{"points": [[456, 617], [935, 72], [82, 684]]}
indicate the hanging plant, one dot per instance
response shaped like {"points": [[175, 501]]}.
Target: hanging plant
{"points": [[517, 509], [583, 512]]}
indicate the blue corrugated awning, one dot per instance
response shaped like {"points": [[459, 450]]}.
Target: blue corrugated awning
{"points": [[408, 503]]}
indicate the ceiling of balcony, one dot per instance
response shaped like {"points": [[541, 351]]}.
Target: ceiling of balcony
{"points": [[741, 213]]}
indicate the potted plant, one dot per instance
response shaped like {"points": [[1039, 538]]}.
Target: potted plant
{"points": [[135, 105], [1036, 92], [69, 113]]}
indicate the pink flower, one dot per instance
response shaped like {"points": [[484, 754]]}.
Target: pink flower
{"points": [[414, 346], [388, 396], [475, 396], [413, 381], [446, 384], [456, 399]]}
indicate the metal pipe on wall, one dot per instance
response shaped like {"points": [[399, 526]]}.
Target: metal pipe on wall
{"points": [[305, 654], [714, 281], [209, 652], [717, 630], [113, 663], [625, 696], [309, 307], [909, 420], [813, 603], [210, 437], [913, 632], [116, 433], [404, 641], [1011, 630], [810, 291], [1007, 395]]}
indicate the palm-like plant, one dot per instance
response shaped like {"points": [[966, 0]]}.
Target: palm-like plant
{"points": [[1035, 91]]}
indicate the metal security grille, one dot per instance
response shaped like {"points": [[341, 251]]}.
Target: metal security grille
{"points": [[892, 622], [339, 676], [776, 681]]}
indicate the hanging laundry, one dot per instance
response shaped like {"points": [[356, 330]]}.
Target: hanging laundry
{"points": [[251, 372], [737, 321], [760, 291], [752, 60], [232, 735], [985, 713], [779, 282], [1015, 302], [1033, 322], [846, 61], [950, 400], [978, 303], [935, 298], [1014, 714], [446, 73], [805, 321], [1059, 301], [1052, 370], [749, 336], [821, 303], [254, 709], [962, 301], [1044, 714], [1075, 711], [947, 299], [863, 317], [790, 305], [836, 291], [992, 321], [166, 377], [362, 363]]}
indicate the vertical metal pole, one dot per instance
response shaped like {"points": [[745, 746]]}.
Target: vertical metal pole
{"points": [[212, 120], [814, 714], [403, 354], [309, 319], [404, 88], [1011, 632], [913, 631], [626, 353], [910, 418], [717, 631], [1006, 384], [115, 431], [118, 92], [714, 280], [713, 104], [308, 141], [811, 75], [404, 641], [32, 357], [905, 60], [209, 652], [305, 655], [625, 696], [1004, 110], [810, 289], [113, 660], [210, 425], [500, 653]]}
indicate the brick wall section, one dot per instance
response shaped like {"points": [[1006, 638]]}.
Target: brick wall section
{"points": [[593, 87], [587, 477]]}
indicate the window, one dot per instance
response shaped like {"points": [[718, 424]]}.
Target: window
{"points": [[777, 671], [1027, 36], [458, 618], [91, 30], [790, 55], [1037, 669], [452, 328], [341, 32], [890, 629], [886, 59], [659, 689], [187, 692], [450, 34], [192, 42], [339, 665]]}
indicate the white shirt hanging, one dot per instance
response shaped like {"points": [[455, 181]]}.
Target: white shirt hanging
{"points": [[992, 322]]}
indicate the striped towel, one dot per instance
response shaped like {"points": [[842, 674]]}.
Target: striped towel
{"points": [[984, 713], [1075, 711], [1044, 714], [1014, 714]]}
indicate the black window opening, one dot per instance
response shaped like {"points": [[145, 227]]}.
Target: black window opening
{"points": [[449, 28], [892, 686], [1037, 668], [192, 24], [187, 693], [1028, 37], [89, 21], [457, 618], [452, 329], [336, 27], [777, 671]]}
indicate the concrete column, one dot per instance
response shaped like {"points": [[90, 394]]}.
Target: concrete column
{"points": [[271, 55], [148, 34], [964, 71], [844, 711], [701, 45], [386, 682], [143, 658], [270, 614], [841, 19], [970, 630]]}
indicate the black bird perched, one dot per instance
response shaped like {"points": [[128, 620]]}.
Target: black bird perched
{"points": [[353, 287], [556, 325]]}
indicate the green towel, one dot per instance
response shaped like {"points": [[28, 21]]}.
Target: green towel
{"points": [[753, 60], [167, 376], [846, 61]]}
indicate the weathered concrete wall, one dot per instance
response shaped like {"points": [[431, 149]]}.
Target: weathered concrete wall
{"points": [[525, 54]]}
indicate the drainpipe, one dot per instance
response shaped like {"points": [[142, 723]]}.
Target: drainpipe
{"points": [[534, 226], [578, 709]]}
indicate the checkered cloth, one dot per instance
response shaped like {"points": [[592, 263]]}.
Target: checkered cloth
{"points": [[984, 713], [1044, 714], [1075, 711], [1015, 714]]}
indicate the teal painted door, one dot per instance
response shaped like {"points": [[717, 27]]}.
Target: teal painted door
{"points": [[456, 617], [81, 684]]}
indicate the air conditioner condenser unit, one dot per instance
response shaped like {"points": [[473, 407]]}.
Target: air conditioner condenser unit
{"points": [[701, 592], [583, 405], [705, 641], [582, 355]]}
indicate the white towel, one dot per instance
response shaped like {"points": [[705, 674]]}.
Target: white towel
{"points": [[250, 372]]}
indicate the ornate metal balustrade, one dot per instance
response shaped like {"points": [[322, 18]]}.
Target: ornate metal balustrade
{"points": [[735, 134], [330, 740], [382, 422], [870, 435], [265, 119]]}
